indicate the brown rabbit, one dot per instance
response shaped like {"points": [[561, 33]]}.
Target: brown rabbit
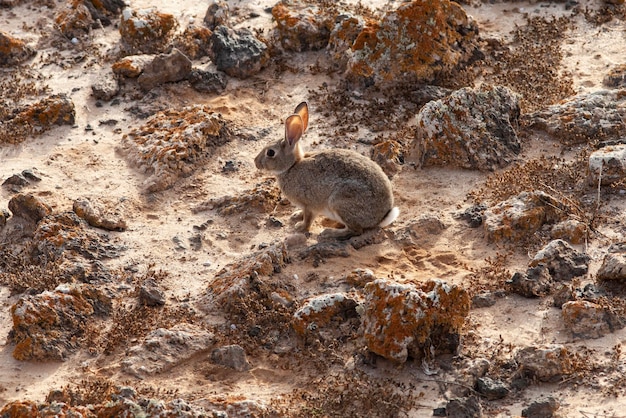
{"points": [[341, 185]]}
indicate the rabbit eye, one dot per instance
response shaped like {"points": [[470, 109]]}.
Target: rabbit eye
{"points": [[270, 152]]}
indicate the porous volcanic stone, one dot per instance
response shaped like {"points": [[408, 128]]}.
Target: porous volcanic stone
{"points": [[146, 31], [238, 53]]}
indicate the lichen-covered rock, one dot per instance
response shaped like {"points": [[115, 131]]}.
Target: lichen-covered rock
{"points": [[74, 20], [320, 311], [39, 117], [29, 207], [302, 27], [403, 320], [520, 217], [217, 14], [131, 66], [419, 40], [64, 234], [584, 118], [165, 68], [562, 260], [586, 319], [608, 165], [20, 409], [470, 128], [172, 143], [546, 364], [238, 53], [163, 349], [234, 278], [100, 213], [345, 30], [614, 264], [146, 31], [262, 198], [194, 42], [616, 77], [13, 51], [48, 326]]}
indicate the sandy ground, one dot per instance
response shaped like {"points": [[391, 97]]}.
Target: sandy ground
{"points": [[74, 162]]}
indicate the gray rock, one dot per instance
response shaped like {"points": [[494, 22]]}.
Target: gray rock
{"points": [[165, 68], [231, 356], [211, 82], [616, 77], [16, 180], [608, 165], [469, 407], [150, 294], [101, 213], [105, 88], [542, 409], [562, 260], [238, 53], [164, 349], [586, 319], [484, 300], [584, 118], [470, 128], [491, 389], [546, 364], [535, 282], [614, 265], [217, 14]]}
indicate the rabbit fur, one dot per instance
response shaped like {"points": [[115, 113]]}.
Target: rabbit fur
{"points": [[339, 184]]}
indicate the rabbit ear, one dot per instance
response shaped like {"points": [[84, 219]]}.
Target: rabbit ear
{"points": [[303, 111], [294, 128]]}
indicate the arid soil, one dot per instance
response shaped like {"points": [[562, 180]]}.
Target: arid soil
{"points": [[186, 263]]}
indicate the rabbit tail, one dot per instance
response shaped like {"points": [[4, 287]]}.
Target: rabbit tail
{"points": [[390, 217]]}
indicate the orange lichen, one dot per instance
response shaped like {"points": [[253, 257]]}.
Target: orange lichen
{"points": [[403, 320], [20, 409], [12, 50], [146, 31], [419, 39]]}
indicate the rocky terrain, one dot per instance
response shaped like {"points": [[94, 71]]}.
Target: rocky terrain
{"points": [[148, 269]]}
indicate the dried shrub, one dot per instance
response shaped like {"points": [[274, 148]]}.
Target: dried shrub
{"points": [[348, 394]]}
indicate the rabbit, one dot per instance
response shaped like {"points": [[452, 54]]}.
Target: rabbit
{"points": [[341, 185]]}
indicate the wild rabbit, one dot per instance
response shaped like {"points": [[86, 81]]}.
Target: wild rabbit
{"points": [[341, 185]]}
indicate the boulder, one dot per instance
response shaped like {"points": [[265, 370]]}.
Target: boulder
{"points": [[231, 356], [238, 53], [418, 41], [542, 408], [106, 87], [206, 81], [29, 207], [194, 42], [402, 320], [146, 31], [165, 68], [100, 213], [470, 128], [39, 117], [13, 51]]}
